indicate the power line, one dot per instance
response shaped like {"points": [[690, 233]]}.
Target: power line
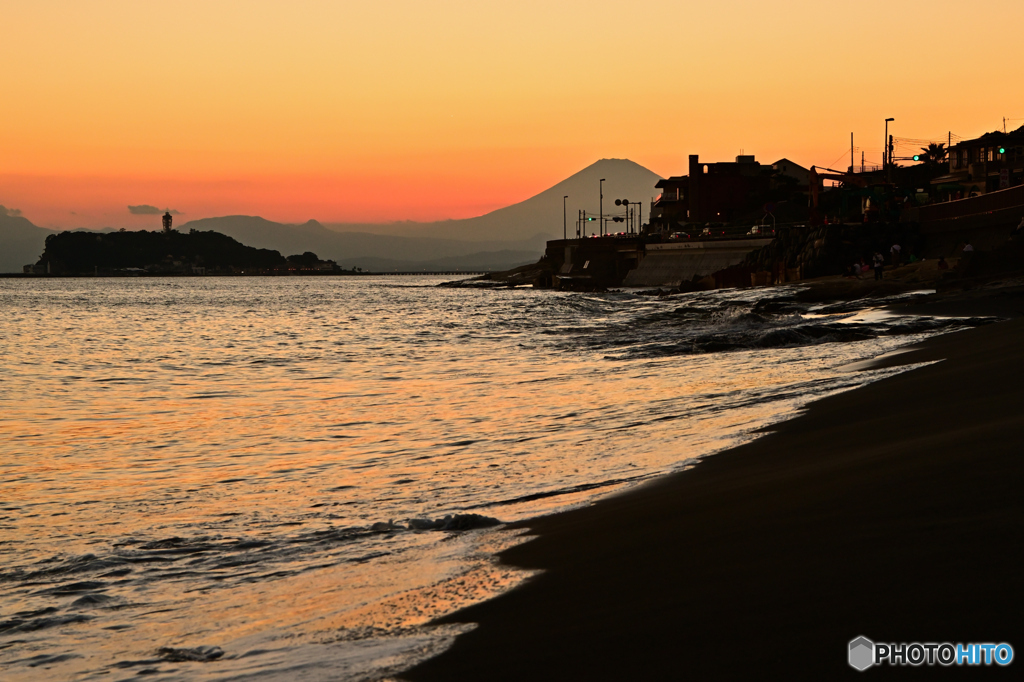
{"points": [[916, 140], [841, 156]]}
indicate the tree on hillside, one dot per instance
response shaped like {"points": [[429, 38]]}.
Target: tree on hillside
{"points": [[934, 152], [304, 260]]}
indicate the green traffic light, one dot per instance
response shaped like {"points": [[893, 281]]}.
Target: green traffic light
{"points": [[917, 157], [1002, 150]]}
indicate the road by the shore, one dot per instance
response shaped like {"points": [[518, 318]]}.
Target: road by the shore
{"points": [[894, 511]]}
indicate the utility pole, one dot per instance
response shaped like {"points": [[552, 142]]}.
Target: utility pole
{"points": [[634, 217], [600, 223], [564, 234], [887, 154]]}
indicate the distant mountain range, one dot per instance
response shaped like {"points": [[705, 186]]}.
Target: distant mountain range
{"points": [[21, 242], [373, 251], [503, 239]]}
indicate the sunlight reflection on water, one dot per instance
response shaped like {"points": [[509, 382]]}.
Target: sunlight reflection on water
{"points": [[196, 462]]}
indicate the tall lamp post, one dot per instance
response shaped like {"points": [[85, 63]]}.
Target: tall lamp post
{"points": [[565, 235], [886, 161], [600, 224]]}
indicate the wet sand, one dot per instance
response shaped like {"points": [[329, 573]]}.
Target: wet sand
{"points": [[895, 511]]}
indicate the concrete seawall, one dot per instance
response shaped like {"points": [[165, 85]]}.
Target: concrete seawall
{"points": [[674, 263], [985, 221]]}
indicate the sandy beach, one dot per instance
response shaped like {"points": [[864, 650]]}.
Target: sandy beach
{"points": [[893, 511]]}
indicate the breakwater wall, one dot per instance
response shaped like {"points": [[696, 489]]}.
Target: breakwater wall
{"points": [[796, 252], [985, 221], [674, 263]]}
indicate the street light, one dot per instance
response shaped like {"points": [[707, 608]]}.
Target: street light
{"points": [[600, 224], [626, 203], [564, 233]]}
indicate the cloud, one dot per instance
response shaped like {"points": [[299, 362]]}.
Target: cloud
{"points": [[12, 212], [146, 209]]}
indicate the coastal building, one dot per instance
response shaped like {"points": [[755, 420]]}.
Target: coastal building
{"points": [[988, 163], [711, 193], [791, 172], [669, 210]]}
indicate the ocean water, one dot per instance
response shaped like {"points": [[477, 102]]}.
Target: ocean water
{"points": [[288, 478]]}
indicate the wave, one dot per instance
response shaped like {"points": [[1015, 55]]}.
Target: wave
{"points": [[704, 324]]}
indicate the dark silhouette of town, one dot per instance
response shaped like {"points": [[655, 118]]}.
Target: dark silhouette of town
{"points": [[742, 223]]}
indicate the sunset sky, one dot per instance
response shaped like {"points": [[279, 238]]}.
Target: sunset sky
{"points": [[377, 111]]}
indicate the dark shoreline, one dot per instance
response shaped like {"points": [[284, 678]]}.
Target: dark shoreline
{"points": [[894, 511], [25, 275]]}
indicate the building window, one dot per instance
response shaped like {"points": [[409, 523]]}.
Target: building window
{"points": [[989, 158]]}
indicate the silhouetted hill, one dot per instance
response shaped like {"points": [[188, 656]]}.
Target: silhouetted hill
{"points": [[21, 242], [88, 252], [540, 214]]}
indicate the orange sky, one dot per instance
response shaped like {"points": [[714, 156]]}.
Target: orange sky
{"points": [[415, 109]]}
